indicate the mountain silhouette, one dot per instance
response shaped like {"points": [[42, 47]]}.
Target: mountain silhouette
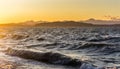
{"points": [[87, 23]]}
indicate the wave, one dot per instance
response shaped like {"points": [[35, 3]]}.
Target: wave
{"points": [[104, 38], [52, 58], [47, 57], [18, 36], [98, 47]]}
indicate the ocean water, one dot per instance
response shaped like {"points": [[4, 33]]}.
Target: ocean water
{"points": [[98, 46]]}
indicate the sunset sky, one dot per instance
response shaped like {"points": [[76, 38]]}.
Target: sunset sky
{"points": [[53, 10]]}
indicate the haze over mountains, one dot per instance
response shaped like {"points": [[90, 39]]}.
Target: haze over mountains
{"points": [[87, 23], [102, 22]]}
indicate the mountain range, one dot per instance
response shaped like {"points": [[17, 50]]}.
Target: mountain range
{"points": [[87, 23]]}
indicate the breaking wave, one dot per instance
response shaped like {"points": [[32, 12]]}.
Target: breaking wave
{"points": [[47, 57]]}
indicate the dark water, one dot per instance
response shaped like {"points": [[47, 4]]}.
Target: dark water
{"points": [[97, 46]]}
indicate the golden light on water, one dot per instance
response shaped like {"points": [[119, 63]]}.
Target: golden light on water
{"points": [[5, 64]]}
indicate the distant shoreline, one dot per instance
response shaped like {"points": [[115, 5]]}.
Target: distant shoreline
{"points": [[58, 24]]}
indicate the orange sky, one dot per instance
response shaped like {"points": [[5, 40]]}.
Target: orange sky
{"points": [[53, 10]]}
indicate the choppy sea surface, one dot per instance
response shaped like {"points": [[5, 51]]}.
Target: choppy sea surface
{"points": [[99, 46]]}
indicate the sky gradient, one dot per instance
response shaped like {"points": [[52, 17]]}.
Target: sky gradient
{"points": [[54, 10]]}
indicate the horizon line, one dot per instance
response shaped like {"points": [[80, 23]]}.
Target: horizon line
{"points": [[58, 20]]}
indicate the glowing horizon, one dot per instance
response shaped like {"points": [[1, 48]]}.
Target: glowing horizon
{"points": [[12, 11]]}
